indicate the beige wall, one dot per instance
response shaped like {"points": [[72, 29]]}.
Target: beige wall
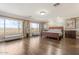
{"points": [[58, 21]]}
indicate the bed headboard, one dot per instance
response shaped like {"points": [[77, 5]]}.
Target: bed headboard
{"points": [[60, 28], [56, 28]]}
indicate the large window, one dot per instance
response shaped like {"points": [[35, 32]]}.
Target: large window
{"points": [[34, 28], [10, 27]]}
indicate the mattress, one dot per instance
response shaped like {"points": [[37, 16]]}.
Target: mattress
{"points": [[55, 31]]}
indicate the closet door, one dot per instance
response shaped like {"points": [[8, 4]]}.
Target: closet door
{"points": [[1, 29]]}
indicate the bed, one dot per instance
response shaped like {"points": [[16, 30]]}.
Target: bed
{"points": [[54, 32]]}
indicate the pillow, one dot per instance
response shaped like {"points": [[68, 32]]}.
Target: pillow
{"points": [[56, 30]]}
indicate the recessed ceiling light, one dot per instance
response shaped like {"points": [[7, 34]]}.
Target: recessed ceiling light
{"points": [[42, 12]]}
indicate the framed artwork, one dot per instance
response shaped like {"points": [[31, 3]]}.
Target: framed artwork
{"points": [[70, 24]]}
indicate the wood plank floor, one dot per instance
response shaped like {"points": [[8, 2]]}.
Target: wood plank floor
{"points": [[40, 46]]}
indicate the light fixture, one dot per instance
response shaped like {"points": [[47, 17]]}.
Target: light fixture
{"points": [[56, 4], [42, 12]]}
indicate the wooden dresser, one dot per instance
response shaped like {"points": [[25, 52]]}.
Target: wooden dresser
{"points": [[70, 34]]}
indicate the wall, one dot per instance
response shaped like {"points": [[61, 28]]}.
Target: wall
{"points": [[56, 22]]}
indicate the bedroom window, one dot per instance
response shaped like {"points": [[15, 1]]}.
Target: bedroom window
{"points": [[11, 27], [34, 28]]}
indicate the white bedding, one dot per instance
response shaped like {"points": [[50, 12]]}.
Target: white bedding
{"points": [[59, 31]]}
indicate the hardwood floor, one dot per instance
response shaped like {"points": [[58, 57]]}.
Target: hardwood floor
{"points": [[40, 46]]}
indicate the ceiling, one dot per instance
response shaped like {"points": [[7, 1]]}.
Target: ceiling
{"points": [[32, 11]]}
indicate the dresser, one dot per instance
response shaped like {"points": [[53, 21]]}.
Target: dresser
{"points": [[70, 34]]}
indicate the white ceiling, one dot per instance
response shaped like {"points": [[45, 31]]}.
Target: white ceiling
{"points": [[25, 10]]}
